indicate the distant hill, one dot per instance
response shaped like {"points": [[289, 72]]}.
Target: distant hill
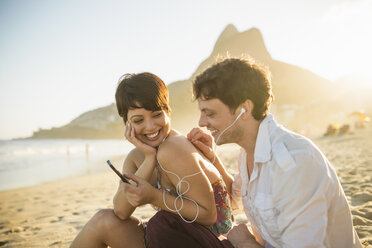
{"points": [[303, 100], [101, 123]]}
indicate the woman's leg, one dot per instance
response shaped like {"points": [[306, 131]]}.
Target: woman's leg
{"points": [[106, 229]]}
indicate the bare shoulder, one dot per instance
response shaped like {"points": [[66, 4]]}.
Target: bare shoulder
{"points": [[175, 145], [177, 148]]}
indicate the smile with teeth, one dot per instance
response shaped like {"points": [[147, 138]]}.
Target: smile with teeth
{"points": [[152, 135]]}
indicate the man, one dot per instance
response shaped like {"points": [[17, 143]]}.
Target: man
{"points": [[288, 189]]}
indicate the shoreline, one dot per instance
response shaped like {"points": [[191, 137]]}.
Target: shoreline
{"points": [[29, 163]]}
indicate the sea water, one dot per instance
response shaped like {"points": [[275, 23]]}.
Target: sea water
{"points": [[36, 161]]}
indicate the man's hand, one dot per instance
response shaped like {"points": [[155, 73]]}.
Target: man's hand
{"points": [[140, 194], [241, 237], [203, 142]]}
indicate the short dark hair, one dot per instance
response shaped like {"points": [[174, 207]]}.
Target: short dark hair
{"points": [[142, 90], [233, 81]]}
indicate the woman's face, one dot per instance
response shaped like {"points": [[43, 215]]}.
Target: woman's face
{"points": [[150, 127]]}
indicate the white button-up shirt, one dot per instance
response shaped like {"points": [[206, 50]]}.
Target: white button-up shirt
{"points": [[293, 197]]}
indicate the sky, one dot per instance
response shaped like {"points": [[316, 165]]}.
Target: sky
{"points": [[59, 59]]}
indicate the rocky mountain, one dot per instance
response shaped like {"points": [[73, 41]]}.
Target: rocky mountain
{"points": [[300, 95]]}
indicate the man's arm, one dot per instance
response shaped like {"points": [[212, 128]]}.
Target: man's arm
{"points": [[204, 143]]}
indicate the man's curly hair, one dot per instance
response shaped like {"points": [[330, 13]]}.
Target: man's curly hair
{"points": [[233, 81]]}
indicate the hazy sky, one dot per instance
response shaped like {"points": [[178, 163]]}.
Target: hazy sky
{"points": [[59, 59]]}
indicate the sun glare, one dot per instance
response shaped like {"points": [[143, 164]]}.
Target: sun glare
{"points": [[339, 44], [349, 40]]}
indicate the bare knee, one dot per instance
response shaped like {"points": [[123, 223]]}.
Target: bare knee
{"points": [[94, 232], [103, 220], [115, 232], [106, 229]]}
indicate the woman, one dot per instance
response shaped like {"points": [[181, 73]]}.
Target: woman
{"points": [[167, 170]]}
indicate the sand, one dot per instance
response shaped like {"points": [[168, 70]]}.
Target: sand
{"points": [[351, 155], [50, 215]]}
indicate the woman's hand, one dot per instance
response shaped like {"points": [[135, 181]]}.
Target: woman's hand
{"points": [[140, 194], [203, 142], [131, 137]]}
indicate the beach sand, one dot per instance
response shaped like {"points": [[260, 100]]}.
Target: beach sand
{"points": [[50, 215]]}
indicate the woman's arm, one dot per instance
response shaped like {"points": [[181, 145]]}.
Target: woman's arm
{"points": [[140, 165], [141, 162], [179, 156]]}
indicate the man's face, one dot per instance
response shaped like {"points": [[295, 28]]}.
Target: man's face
{"points": [[216, 117]]}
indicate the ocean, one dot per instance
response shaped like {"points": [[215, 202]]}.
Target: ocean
{"points": [[35, 161]]}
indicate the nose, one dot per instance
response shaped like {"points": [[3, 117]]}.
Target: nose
{"points": [[150, 125], [203, 121]]}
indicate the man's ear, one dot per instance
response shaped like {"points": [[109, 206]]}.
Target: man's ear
{"points": [[248, 106]]}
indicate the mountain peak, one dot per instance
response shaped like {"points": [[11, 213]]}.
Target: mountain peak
{"points": [[236, 43], [230, 30], [233, 43], [254, 35]]}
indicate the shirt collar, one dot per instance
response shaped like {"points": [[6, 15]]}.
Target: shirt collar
{"points": [[262, 151]]}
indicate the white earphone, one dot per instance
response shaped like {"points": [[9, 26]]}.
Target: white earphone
{"points": [[242, 111]]}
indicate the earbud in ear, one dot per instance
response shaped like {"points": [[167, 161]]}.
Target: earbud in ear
{"points": [[242, 111]]}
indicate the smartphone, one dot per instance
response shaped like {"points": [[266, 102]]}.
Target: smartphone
{"points": [[117, 172]]}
